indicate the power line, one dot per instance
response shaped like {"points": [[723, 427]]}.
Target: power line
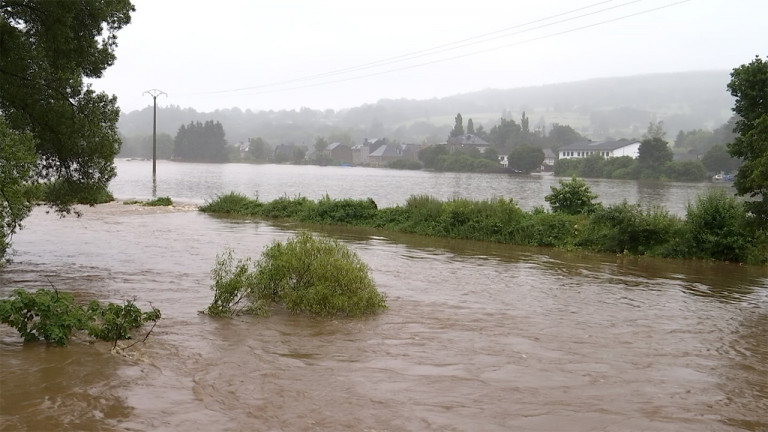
{"points": [[474, 53], [433, 50]]}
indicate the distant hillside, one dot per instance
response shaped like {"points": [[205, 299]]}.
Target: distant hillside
{"points": [[619, 107]]}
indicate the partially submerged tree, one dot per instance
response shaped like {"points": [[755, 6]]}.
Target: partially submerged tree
{"points": [[48, 48]]}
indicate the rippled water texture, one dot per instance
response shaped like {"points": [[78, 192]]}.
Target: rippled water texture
{"points": [[477, 337]]}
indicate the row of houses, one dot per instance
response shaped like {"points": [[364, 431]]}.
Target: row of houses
{"points": [[378, 152]]}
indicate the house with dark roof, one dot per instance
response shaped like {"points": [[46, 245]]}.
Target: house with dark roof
{"points": [[467, 141], [385, 154], [606, 149], [339, 153]]}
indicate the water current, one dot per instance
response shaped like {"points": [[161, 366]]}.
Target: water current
{"points": [[477, 336]]}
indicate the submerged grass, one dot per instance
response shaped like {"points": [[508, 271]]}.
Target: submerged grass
{"points": [[717, 222]]}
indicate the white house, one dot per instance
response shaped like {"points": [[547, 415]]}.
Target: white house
{"points": [[606, 149]]}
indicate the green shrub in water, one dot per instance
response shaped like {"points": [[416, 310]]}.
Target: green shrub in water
{"points": [[307, 274], [159, 202], [54, 316], [232, 203]]}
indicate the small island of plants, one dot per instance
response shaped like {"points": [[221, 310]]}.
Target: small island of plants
{"points": [[306, 274]]}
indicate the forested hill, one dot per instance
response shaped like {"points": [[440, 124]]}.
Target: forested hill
{"points": [[618, 107]]}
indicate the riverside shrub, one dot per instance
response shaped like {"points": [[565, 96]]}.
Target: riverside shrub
{"points": [[572, 197], [308, 274], [719, 227], [629, 228]]}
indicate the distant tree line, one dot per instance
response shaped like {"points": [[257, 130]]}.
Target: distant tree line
{"points": [[522, 146], [201, 142]]}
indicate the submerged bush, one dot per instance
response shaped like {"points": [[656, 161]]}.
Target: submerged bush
{"points": [[159, 202], [231, 203], [54, 316], [308, 274]]}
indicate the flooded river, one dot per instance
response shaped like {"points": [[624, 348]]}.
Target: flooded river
{"points": [[477, 337]]}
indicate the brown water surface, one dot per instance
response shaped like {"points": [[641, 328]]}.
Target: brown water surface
{"points": [[477, 337]]}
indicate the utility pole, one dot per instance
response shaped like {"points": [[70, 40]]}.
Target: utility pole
{"points": [[154, 93]]}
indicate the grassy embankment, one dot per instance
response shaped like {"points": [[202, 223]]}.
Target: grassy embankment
{"points": [[716, 226]]}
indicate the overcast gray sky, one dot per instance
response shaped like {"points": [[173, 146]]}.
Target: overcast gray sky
{"points": [[288, 54]]}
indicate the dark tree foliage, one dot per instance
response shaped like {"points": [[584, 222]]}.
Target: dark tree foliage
{"points": [[654, 153], [458, 128], [506, 134], [526, 158], [258, 149], [200, 142], [470, 126], [717, 159], [47, 48], [429, 155], [749, 85], [563, 135]]}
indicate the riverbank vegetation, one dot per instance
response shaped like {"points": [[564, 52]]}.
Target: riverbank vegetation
{"points": [[716, 226], [55, 316], [306, 274]]}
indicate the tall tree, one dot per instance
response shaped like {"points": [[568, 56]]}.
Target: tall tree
{"points": [[524, 124], [470, 126], [717, 159], [749, 85], [526, 158], [201, 142], [563, 135], [655, 130], [654, 153], [47, 48], [506, 134], [458, 128], [258, 149], [320, 144]]}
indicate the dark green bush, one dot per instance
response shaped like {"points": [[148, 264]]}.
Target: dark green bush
{"points": [[572, 197], [540, 228], [287, 208], [71, 192], [629, 228], [159, 202], [305, 274], [347, 210], [719, 227], [232, 203]]}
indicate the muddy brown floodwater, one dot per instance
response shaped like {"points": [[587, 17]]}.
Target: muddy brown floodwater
{"points": [[477, 337]]}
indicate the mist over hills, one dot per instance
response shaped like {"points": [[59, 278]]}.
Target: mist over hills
{"points": [[615, 107]]}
